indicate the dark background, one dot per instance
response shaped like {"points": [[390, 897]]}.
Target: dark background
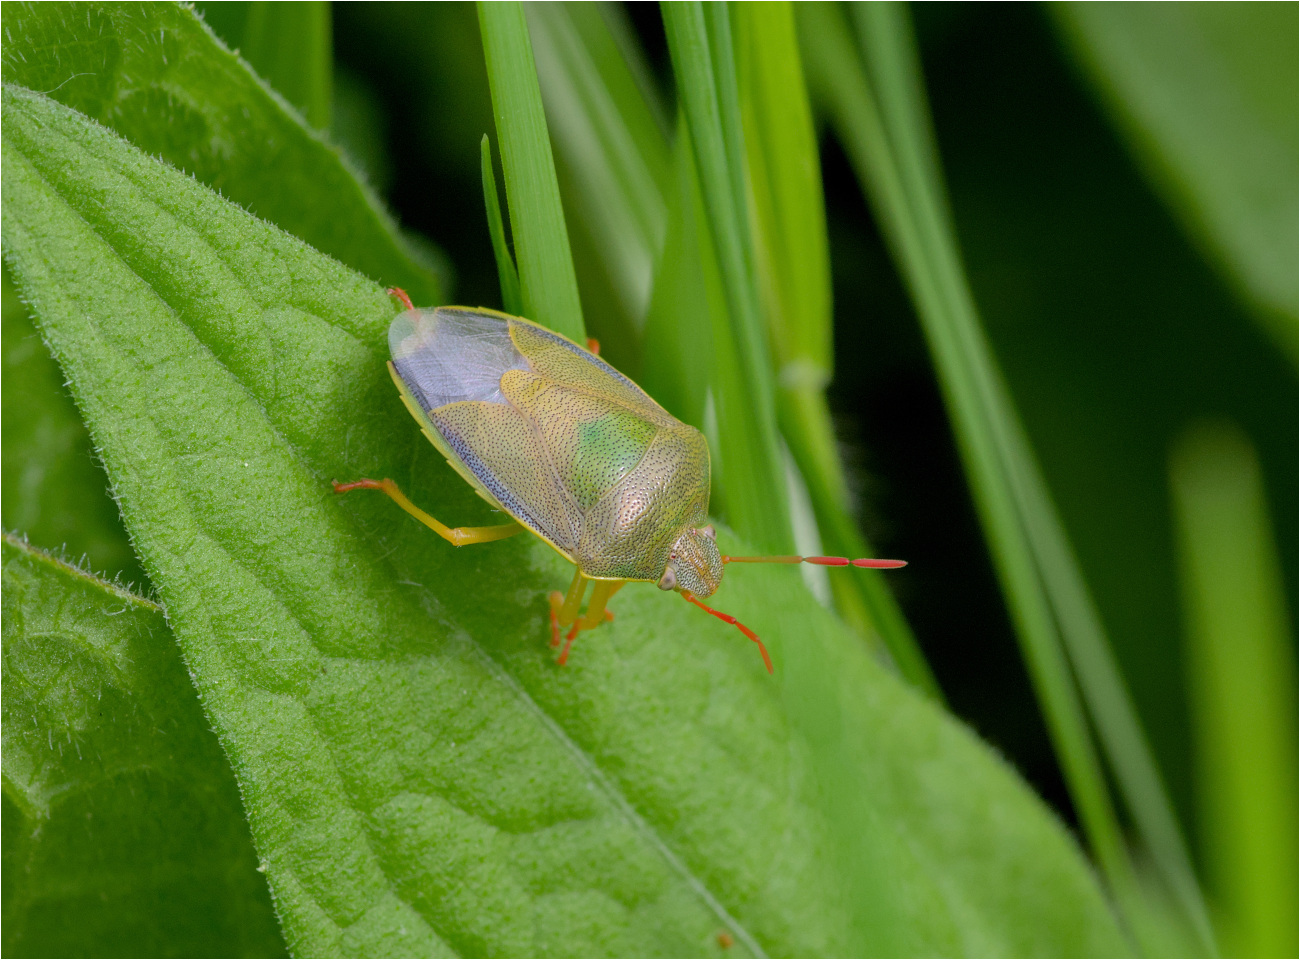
{"points": [[1113, 332]]}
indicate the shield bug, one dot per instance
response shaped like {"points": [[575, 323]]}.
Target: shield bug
{"points": [[575, 452]]}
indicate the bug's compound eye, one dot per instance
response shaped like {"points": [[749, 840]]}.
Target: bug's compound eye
{"points": [[707, 531], [669, 580]]}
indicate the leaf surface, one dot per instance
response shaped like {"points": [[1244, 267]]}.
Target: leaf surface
{"points": [[54, 492], [123, 830], [419, 775]]}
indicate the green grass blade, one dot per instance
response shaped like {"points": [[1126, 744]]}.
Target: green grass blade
{"points": [[193, 103], [789, 213], [889, 52], [547, 282], [1243, 691], [607, 135], [791, 245], [290, 45], [419, 774], [685, 306], [123, 829], [699, 39], [882, 118], [1206, 96], [506, 272]]}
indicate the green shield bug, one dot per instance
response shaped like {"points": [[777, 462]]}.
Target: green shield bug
{"points": [[575, 452]]}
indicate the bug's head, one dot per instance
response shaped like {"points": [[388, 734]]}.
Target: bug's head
{"points": [[694, 563]]}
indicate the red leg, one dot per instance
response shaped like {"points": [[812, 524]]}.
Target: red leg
{"points": [[593, 346], [568, 645], [728, 618], [400, 294]]}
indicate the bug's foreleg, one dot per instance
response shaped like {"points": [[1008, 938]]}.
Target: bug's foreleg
{"points": [[596, 614], [456, 536]]}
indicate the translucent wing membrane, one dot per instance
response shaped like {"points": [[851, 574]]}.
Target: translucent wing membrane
{"points": [[448, 355]]}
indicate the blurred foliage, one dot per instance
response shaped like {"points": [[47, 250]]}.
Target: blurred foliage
{"points": [[1206, 94], [1132, 278], [123, 828], [1240, 668]]}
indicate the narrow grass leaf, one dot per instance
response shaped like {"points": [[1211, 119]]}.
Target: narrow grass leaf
{"points": [[699, 39], [507, 275], [547, 282], [686, 305], [887, 43], [607, 135], [1206, 96], [789, 220], [123, 829], [418, 773], [1241, 675], [291, 46], [158, 76], [884, 123]]}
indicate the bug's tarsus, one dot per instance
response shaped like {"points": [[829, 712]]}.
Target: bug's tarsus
{"points": [[593, 346], [400, 294], [357, 485], [728, 618], [823, 561], [568, 644]]}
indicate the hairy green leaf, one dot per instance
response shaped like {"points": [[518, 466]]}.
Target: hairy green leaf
{"points": [[1206, 93], [157, 75], [418, 773], [54, 491], [123, 830], [548, 287], [289, 45]]}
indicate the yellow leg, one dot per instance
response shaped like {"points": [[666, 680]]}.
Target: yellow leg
{"points": [[596, 613], [564, 607], [456, 536]]}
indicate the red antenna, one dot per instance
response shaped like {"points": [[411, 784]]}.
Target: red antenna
{"points": [[734, 622], [823, 561]]}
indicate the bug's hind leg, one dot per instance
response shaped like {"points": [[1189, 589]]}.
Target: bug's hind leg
{"points": [[456, 536], [564, 607]]}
